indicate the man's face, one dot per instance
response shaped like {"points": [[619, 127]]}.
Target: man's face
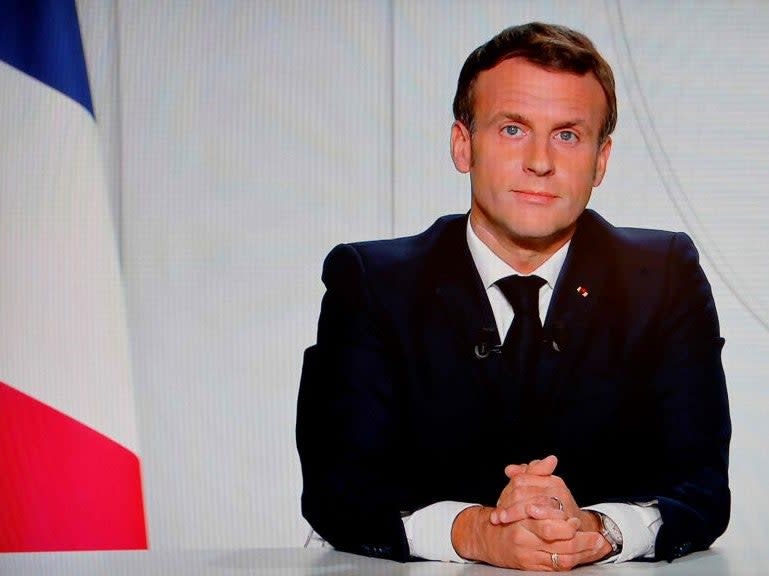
{"points": [[534, 156]]}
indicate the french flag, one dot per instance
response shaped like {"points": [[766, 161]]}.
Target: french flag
{"points": [[70, 478]]}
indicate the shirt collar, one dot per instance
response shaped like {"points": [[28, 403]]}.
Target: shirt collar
{"points": [[492, 268]]}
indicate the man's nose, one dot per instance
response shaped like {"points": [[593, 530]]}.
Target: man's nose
{"points": [[538, 158]]}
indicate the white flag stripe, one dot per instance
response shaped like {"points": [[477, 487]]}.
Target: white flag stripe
{"points": [[64, 335]]}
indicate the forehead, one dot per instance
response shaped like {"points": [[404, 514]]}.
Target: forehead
{"points": [[516, 86]]}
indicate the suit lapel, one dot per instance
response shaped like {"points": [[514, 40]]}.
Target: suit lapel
{"points": [[459, 289], [579, 294], [461, 298]]}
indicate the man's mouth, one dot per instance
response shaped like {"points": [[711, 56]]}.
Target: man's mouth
{"points": [[535, 196]]}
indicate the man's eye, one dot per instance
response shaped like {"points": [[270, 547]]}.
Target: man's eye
{"points": [[512, 130], [567, 136]]}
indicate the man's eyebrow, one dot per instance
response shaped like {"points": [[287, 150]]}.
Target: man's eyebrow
{"points": [[510, 116], [576, 123]]}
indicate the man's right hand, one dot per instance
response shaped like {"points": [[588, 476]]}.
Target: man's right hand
{"points": [[526, 544]]}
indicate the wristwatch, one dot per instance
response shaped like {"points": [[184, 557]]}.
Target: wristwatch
{"points": [[611, 532]]}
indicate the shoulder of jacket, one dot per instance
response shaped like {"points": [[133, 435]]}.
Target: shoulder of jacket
{"points": [[404, 251], [638, 243]]}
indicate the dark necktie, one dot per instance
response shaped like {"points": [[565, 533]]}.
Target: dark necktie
{"points": [[521, 346]]}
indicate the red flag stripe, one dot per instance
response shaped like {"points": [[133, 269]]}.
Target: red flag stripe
{"points": [[64, 486]]}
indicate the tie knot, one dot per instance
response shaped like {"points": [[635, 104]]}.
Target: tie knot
{"points": [[522, 292]]}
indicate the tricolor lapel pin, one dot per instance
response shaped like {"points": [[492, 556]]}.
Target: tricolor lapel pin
{"points": [[582, 291]]}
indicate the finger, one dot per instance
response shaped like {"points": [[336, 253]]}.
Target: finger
{"points": [[537, 506], [534, 481], [542, 561], [513, 469], [569, 561], [540, 507], [524, 486], [511, 496], [514, 546], [552, 530], [530, 560], [582, 542], [509, 514], [543, 467], [529, 485], [543, 508]]}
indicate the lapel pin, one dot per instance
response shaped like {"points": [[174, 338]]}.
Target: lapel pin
{"points": [[582, 291]]}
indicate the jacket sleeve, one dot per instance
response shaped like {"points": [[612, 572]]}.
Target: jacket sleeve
{"points": [[694, 422], [347, 433]]}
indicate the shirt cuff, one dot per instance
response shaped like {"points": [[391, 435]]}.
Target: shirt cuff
{"points": [[428, 531], [639, 524]]}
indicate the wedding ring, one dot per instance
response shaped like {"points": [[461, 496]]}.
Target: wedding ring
{"points": [[560, 504], [554, 559]]}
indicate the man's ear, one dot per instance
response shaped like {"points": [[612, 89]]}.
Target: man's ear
{"points": [[461, 147], [601, 161]]}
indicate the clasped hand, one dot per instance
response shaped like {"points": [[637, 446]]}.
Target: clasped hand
{"points": [[536, 525]]}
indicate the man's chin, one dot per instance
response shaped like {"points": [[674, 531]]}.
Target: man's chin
{"points": [[541, 238]]}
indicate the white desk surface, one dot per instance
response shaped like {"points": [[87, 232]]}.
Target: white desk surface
{"points": [[311, 562]]}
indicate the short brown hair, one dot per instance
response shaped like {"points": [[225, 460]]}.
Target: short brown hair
{"points": [[550, 46]]}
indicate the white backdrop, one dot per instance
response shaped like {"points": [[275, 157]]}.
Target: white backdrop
{"points": [[248, 138]]}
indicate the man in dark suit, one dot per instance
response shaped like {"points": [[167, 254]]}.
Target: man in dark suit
{"points": [[456, 370]]}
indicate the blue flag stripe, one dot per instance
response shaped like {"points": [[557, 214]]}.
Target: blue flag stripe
{"points": [[42, 39]]}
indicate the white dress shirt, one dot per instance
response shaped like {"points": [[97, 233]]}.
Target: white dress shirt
{"points": [[428, 530]]}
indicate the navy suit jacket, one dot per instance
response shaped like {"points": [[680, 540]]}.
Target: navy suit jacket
{"points": [[396, 411]]}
